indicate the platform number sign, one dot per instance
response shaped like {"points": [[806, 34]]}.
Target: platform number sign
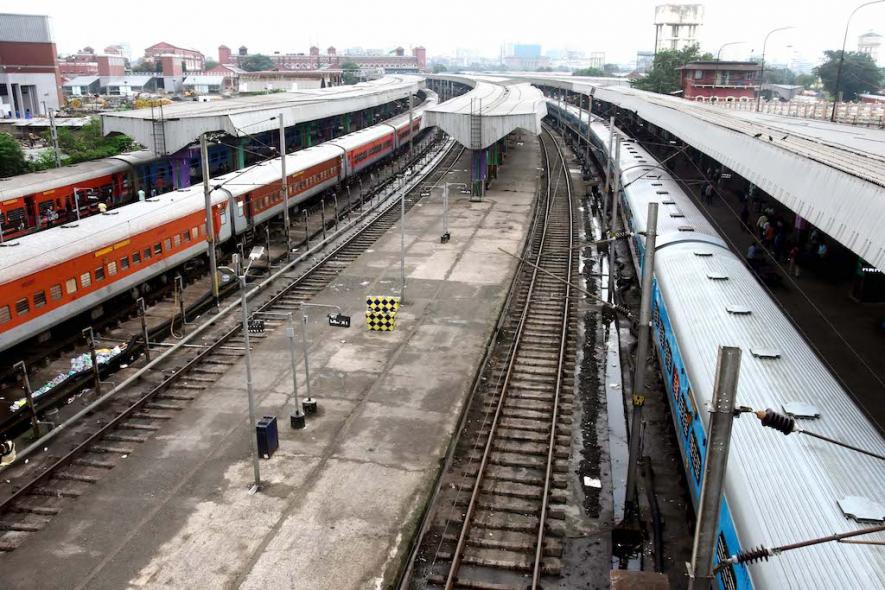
{"points": [[339, 320], [256, 326]]}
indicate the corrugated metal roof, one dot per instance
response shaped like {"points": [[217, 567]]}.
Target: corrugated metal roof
{"points": [[203, 81], [133, 81], [186, 121], [81, 81], [833, 175]]}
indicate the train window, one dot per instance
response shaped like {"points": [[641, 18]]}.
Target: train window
{"points": [[22, 307], [99, 273], [124, 263], [4, 314], [186, 236], [136, 258], [177, 240], [85, 279], [147, 253], [39, 299], [71, 286], [55, 292], [158, 248], [195, 232], [112, 268]]}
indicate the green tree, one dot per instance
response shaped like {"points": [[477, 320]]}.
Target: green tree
{"points": [[610, 69], [256, 63], [210, 63], [664, 76], [806, 80], [591, 72], [87, 143], [439, 68], [351, 72], [544, 69], [859, 74], [12, 158]]}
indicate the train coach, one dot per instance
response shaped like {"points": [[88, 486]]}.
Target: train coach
{"points": [[778, 489], [52, 276]]}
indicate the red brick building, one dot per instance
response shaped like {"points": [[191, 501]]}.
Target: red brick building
{"points": [[720, 80], [87, 63], [399, 62], [176, 61]]}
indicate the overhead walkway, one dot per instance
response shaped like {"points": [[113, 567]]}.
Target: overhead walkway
{"points": [[493, 108]]}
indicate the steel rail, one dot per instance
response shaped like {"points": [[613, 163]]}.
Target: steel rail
{"points": [[465, 527], [545, 498]]}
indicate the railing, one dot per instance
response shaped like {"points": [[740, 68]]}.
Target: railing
{"points": [[850, 113]]}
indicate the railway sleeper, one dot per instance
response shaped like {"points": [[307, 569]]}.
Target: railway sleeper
{"points": [[87, 462], [513, 541], [137, 426], [519, 403], [38, 509], [502, 521], [158, 405], [110, 449], [178, 397], [73, 476], [145, 415], [522, 448], [22, 527], [508, 504], [461, 582], [54, 492], [515, 460], [122, 437], [520, 474]]}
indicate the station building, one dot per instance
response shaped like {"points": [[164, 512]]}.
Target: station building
{"points": [[30, 81]]}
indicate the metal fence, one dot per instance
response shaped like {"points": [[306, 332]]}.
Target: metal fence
{"points": [[850, 113]]}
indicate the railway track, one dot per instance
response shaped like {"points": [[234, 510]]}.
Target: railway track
{"points": [[496, 515], [141, 410], [122, 322]]}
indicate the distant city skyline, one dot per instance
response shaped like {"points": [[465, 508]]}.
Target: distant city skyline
{"points": [[619, 31]]}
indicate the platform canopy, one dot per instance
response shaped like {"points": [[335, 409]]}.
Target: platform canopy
{"points": [[173, 127], [831, 174], [494, 108]]}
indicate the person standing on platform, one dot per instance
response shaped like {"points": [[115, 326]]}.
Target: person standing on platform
{"points": [[141, 194]]}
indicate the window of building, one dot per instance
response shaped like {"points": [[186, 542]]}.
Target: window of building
{"points": [[55, 292], [85, 279], [39, 299], [71, 286], [4, 314], [22, 307], [124, 263], [698, 74], [112, 268], [99, 273]]}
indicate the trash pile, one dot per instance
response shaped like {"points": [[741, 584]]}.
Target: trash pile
{"points": [[79, 364]]}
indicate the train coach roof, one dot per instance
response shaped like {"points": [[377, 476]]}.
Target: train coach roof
{"points": [[46, 180], [57, 245]]}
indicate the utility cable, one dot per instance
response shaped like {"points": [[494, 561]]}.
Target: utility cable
{"points": [[762, 553], [787, 424]]}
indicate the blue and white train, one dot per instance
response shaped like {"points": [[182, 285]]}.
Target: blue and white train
{"points": [[778, 489]]}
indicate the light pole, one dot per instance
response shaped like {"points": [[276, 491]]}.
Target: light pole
{"points": [[256, 253], [762, 73], [718, 53], [77, 199], [836, 96], [445, 235], [53, 133]]}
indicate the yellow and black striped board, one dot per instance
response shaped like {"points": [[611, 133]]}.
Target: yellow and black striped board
{"points": [[382, 303], [380, 321]]}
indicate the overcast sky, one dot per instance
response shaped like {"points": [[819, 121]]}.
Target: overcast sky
{"points": [[618, 28]]}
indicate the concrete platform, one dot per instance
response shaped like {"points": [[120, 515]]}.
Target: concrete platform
{"points": [[342, 497]]}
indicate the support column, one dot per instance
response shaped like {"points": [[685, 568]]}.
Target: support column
{"points": [[10, 99], [241, 153], [20, 107], [478, 170]]}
